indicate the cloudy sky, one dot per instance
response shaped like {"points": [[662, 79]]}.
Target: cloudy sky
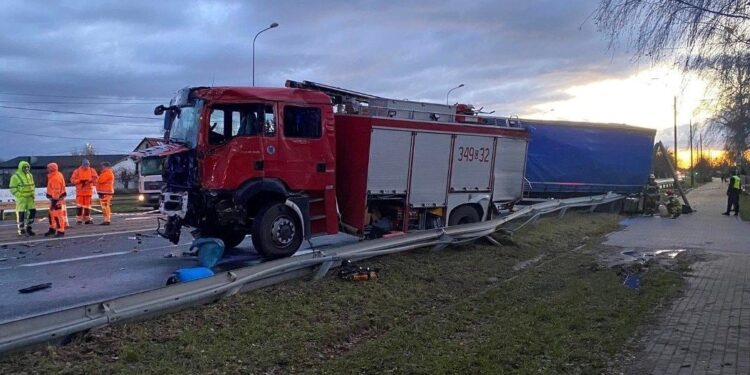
{"points": [[77, 72]]}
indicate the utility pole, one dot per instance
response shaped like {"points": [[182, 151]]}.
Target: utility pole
{"points": [[692, 173], [675, 131]]}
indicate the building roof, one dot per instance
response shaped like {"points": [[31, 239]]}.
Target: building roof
{"points": [[62, 161], [148, 142]]}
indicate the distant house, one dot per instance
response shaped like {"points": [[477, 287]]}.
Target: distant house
{"points": [[67, 165]]}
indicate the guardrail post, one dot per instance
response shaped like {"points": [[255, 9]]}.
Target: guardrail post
{"points": [[593, 208], [492, 241], [562, 212], [323, 270]]}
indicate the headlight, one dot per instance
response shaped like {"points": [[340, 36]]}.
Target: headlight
{"points": [[141, 198]]}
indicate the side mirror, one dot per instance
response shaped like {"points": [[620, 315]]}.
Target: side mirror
{"points": [[159, 110]]}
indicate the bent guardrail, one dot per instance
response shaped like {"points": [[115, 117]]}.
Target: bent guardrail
{"points": [[61, 324]]}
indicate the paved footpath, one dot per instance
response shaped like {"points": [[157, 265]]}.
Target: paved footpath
{"points": [[707, 330]]}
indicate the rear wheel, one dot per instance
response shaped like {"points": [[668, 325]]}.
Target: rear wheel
{"points": [[277, 232], [463, 215]]}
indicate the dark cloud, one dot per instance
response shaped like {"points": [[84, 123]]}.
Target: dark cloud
{"points": [[510, 55]]}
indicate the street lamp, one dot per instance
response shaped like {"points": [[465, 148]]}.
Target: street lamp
{"points": [[449, 92], [256, 37]]}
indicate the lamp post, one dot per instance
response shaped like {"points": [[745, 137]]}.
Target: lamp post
{"points": [[256, 37], [449, 92]]}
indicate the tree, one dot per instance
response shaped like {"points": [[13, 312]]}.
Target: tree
{"points": [[686, 30], [708, 37], [126, 176], [85, 150]]}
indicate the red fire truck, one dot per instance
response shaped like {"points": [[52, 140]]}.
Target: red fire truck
{"points": [[286, 164]]}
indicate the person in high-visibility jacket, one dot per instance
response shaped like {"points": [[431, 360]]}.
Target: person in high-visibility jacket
{"points": [[56, 195], [733, 194], [22, 188], [84, 178], [105, 187]]}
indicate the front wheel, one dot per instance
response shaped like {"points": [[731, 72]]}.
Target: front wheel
{"points": [[277, 233]]}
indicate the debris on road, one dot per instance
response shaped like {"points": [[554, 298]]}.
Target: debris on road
{"points": [[3, 259], [35, 288]]}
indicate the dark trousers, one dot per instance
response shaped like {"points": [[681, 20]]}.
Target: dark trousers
{"points": [[733, 201]]}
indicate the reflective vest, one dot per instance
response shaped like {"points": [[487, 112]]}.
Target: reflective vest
{"points": [[22, 185], [734, 182]]}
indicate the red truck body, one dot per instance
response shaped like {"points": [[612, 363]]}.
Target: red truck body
{"points": [[278, 164]]}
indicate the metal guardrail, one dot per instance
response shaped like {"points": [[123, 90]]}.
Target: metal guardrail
{"points": [[61, 324]]}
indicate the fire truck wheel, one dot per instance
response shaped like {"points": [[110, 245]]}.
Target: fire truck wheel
{"points": [[231, 238], [276, 231], [465, 214]]}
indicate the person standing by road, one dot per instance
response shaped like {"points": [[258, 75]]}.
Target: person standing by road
{"points": [[733, 194], [105, 187], [22, 187], [650, 196], [56, 195], [84, 178]]}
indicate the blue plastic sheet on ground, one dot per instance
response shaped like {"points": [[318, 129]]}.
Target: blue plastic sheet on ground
{"points": [[210, 250], [184, 275]]}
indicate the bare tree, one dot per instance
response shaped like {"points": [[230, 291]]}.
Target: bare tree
{"points": [[679, 29], [126, 177], [707, 37], [85, 150]]}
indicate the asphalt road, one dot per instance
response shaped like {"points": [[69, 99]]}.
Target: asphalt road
{"points": [[96, 263]]}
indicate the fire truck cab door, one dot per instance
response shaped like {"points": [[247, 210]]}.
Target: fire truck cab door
{"points": [[306, 146]]}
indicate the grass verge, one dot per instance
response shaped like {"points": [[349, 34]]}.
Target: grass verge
{"points": [[461, 310], [745, 207]]}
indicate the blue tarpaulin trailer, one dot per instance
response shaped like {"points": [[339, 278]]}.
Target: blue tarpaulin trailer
{"points": [[568, 159]]}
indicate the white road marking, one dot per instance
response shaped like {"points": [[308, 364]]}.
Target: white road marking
{"points": [[74, 237], [68, 260]]}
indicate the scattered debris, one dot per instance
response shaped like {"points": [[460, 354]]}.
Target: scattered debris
{"points": [[21, 252], [352, 272], [98, 251], [632, 281], [72, 276], [122, 268], [492, 279], [3, 259], [35, 288], [526, 263]]}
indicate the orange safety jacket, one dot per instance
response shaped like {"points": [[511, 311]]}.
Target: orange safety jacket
{"points": [[84, 179], [106, 182], [55, 185]]}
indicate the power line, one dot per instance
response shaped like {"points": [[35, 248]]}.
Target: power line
{"points": [[82, 103], [64, 137], [78, 113], [78, 122], [81, 97]]}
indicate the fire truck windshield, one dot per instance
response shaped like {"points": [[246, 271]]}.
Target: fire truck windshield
{"points": [[183, 124]]}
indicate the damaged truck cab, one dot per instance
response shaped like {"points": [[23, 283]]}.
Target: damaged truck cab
{"points": [[258, 161]]}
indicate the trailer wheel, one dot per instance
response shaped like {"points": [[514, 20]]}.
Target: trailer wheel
{"points": [[465, 214], [277, 232]]}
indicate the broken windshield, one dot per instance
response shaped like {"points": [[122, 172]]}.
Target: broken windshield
{"points": [[183, 123]]}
